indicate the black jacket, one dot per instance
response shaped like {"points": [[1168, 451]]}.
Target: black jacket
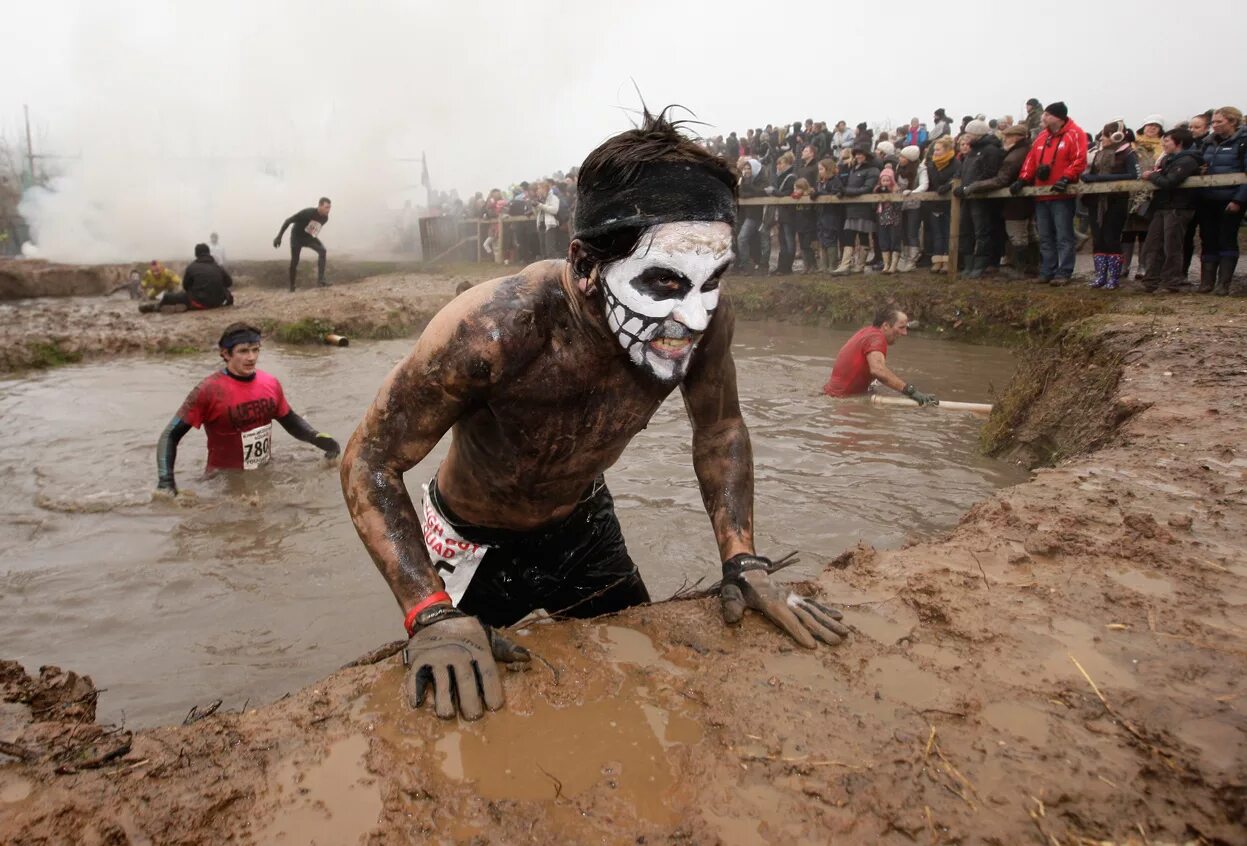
{"points": [[937, 177], [751, 189], [858, 181], [1014, 208], [1173, 171], [983, 160], [783, 190], [207, 283]]}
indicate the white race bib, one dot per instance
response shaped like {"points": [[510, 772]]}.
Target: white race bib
{"points": [[313, 228], [257, 445], [454, 558]]}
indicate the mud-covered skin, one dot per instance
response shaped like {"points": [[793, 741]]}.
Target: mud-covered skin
{"points": [[541, 399]]}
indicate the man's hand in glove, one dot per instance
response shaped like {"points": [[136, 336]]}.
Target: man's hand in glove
{"points": [[919, 397], [746, 584], [944, 189], [454, 655], [328, 444], [1060, 186], [959, 192], [277, 242], [1016, 187]]}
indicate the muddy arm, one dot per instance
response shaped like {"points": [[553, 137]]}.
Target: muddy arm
{"points": [[880, 370], [722, 455]]}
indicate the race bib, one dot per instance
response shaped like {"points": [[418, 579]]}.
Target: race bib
{"points": [[257, 445], [313, 228], [454, 558]]}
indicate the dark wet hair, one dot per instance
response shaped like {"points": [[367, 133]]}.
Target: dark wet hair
{"points": [[621, 160], [887, 314], [324, 200], [234, 333]]}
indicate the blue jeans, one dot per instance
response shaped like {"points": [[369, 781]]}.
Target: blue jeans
{"points": [[1055, 221], [748, 244], [787, 246]]}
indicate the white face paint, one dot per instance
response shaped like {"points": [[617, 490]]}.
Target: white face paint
{"points": [[659, 300]]}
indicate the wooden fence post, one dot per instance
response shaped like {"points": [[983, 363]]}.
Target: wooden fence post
{"points": [[954, 231]]}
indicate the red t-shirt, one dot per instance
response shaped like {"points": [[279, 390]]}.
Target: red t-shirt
{"points": [[237, 416], [850, 375]]}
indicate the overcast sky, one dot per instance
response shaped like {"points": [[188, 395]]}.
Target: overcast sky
{"points": [[498, 92]]}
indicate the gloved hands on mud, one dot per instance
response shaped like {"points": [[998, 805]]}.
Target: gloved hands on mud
{"points": [[747, 584], [455, 655], [919, 397]]}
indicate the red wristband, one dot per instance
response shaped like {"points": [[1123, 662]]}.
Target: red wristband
{"points": [[439, 598]]}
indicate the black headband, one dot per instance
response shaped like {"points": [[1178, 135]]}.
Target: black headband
{"points": [[240, 336], [666, 192]]}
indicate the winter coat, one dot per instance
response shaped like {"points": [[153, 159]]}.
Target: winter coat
{"points": [[1014, 208], [752, 188], [1226, 156], [783, 189], [830, 214], [937, 177], [912, 177], [1063, 152], [1110, 165], [808, 172], [207, 283], [1034, 123], [915, 137], [983, 160], [861, 179], [1172, 172]]}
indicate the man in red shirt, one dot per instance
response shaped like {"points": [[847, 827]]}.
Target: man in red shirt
{"points": [[237, 407], [864, 357]]}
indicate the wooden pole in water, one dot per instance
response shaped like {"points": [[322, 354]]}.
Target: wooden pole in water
{"points": [[947, 405], [954, 232]]}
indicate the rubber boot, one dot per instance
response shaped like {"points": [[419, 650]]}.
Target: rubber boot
{"points": [[860, 255], [939, 264], [974, 267], [908, 258], [896, 261], [846, 262], [1225, 275], [1207, 276], [1127, 254], [887, 262], [820, 258], [1101, 271], [1012, 269], [1114, 265]]}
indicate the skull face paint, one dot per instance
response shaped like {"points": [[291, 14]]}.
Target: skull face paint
{"points": [[659, 300]]}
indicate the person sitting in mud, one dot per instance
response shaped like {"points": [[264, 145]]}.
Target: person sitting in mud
{"points": [[543, 378], [236, 406], [158, 280], [204, 285], [863, 358], [307, 225]]}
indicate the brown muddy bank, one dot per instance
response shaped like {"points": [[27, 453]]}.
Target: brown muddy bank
{"points": [[1063, 667]]}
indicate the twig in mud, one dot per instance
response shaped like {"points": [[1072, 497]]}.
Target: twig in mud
{"points": [[690, 695], [555, 615], [1126, 724], [558, 785], [1036, 819], [98, 760], [377, 655], [685, 590], [195, 715], [13, 750], [871, 602], [981, 570], [553, 669]]}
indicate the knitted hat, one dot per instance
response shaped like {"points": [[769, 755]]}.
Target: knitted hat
{"points": [[977, 127], [1156, 119], [887, 178], [1033, 101], [911, 153], [886, 148], [1058, 110]]}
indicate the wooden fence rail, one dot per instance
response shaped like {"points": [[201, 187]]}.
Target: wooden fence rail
{"points": [[954, 218]]}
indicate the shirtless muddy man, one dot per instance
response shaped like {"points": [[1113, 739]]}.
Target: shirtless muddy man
{"points": [[543, 378]]}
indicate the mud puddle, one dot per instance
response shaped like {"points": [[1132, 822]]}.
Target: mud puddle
{"points": [[249, 588], [332, 801]]}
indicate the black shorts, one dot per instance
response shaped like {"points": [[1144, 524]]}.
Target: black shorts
{"points": [[578, 567]]}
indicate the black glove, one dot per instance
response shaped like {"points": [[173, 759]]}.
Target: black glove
{"points": [[919, 397], [451, 653], [959, 192], [944, 189], [277, 241], [747, 584], [1016, 187], [1060, 186], [328, 444]]}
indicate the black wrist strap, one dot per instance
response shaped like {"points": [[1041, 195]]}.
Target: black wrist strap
{"points": [[737, 565], [435, 614]]}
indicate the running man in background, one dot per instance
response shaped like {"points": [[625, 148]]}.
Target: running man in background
{"points": [[306, 233], [236, 406], [864, 358]]}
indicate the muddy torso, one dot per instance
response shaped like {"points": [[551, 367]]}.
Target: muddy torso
{"points": [[526, 452]]}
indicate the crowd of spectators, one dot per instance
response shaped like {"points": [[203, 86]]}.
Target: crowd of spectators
{"points": [[1014, 237]]}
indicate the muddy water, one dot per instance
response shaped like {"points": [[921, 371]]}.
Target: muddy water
{"points": [[250, 588]]}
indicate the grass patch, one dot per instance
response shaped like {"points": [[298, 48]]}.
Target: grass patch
{"points": [[308, 330], [47, 354]]}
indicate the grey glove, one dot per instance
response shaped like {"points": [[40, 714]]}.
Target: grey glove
{"points": [[454, 655], [919, 397], [746, 584]]}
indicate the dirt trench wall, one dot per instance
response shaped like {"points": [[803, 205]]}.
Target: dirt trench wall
{"points": [[26, 278]]}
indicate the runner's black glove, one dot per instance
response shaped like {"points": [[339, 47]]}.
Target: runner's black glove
{"points": [[277, 241], [328, 444], [919, 397], [746, 584]]}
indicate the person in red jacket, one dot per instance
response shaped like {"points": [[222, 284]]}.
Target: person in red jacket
{"points": [[1057, 158], [864, 357]]}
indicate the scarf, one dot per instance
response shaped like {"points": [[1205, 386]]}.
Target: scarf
{"points": [[942, 161]]}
